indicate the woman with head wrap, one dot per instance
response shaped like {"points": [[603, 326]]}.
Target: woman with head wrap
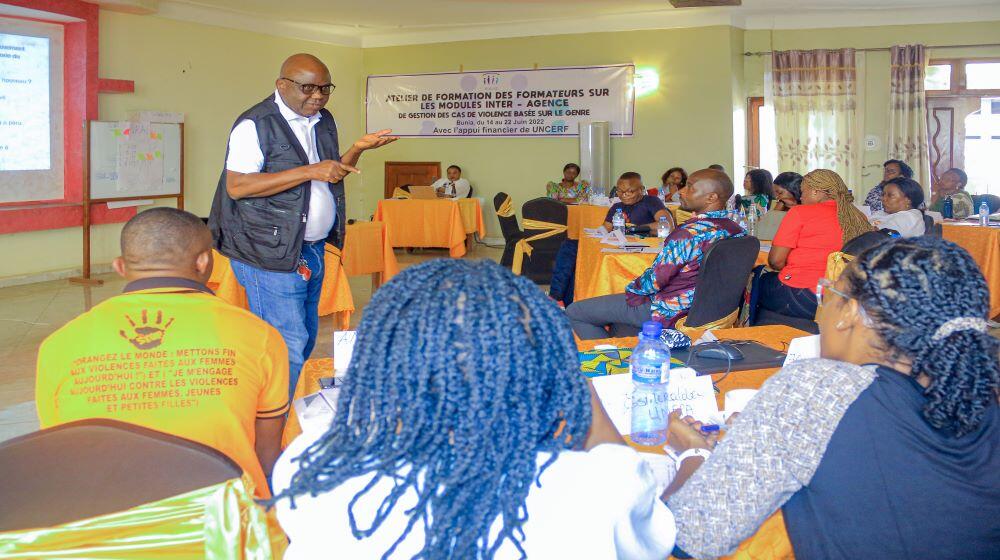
{"points": [[822, 224]]}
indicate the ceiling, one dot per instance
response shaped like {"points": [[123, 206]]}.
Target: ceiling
{"points": [[388, 22]]}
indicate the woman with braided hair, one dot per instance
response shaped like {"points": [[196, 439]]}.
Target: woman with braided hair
{"points": [[822, 224], [889, 446], [465, 430]]}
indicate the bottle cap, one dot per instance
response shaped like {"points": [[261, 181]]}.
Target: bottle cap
{"points": [[652, 329]]}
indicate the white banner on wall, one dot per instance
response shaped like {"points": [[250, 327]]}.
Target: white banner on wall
{"points": [[545, 102]]}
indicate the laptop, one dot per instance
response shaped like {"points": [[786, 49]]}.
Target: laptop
{"points": [[423, 192]]}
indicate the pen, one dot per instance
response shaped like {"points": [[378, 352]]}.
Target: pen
{"points": [[709, 428]]}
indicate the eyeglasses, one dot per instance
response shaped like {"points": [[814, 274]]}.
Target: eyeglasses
{"points": [[309, 89], [827, 284]]}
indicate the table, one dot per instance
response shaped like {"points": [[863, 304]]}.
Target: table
{"points": [[432, 223], [366, 252], [600, 274], [770, 541], [983, 243], [580, 216]]}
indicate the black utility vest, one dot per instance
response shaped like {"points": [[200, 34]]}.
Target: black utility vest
{"points": [[267, 232]]}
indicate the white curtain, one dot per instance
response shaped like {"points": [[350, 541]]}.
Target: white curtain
{"points": [[908, 110], [816, 111]]}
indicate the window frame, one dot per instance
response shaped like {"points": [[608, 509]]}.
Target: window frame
{"points": [[754, 105], [958, 78]]}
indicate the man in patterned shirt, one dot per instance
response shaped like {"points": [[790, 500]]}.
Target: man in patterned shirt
{"points": [[664, 292]]}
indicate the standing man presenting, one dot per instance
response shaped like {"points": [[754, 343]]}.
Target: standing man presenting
{"points": [[280, 199]]}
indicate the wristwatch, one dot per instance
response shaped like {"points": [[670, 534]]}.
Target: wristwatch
{"points": [[693, 452]]}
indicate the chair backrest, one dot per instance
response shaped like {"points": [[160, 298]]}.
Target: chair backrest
{"points": [[508, 224], [545, 209], [930, 228], [93, 467], [992, 200], [864, 241], [722, 279]]}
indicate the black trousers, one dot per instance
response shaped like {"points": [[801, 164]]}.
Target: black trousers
{"points": [[779, 298]]}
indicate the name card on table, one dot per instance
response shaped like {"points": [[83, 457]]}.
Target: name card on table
{"points": [[690, 392], [614, 237], [343, 349]]}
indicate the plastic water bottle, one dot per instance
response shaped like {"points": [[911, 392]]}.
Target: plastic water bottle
{"points": [[650, 370], [984, 214], [618, 221], [947, 209], [662, 228], [751, 221]]}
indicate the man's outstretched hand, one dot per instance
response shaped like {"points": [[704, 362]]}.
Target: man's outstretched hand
{"points": [[330, 171], [375, 140]]}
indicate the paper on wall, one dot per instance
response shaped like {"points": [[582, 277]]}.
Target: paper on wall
{"points": [[128, 203], [156, 117]]}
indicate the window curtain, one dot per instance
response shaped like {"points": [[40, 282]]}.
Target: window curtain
{"points": [[908, 110], [816, 111]]}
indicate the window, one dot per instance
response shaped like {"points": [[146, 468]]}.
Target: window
{"points": [[963, 77], [982, 75], [938, 77], [762, 145]]}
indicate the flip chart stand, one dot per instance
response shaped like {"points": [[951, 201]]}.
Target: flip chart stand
{"points": [[85, 278]]}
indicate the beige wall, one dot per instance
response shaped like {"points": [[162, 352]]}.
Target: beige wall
{"points": [[687, 122], [876, 93], [211, 75]]}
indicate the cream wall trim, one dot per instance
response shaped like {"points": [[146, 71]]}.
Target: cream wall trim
{"points": [[342, 35], [743, 18]]}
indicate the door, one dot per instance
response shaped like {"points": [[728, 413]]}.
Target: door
{"points": [[399, 173]]}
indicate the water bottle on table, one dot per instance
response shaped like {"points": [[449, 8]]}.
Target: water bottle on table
{"points": [[662, 228], [947, 208], [650, 370], [618, 221], [984, 214]]}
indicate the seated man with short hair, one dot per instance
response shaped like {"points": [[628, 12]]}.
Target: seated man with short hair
{"points": [[454, 186], [638, 208], [664, 291], [168, 355]]}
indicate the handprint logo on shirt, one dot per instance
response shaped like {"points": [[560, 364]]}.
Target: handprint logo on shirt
{"points": [[145, 336]]}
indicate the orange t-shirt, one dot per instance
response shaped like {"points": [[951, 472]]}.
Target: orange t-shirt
{"points": [[812, 232], [172, 358]]}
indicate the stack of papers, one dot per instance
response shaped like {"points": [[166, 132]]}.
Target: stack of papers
{"points": [[596, 233], [632, 249]]}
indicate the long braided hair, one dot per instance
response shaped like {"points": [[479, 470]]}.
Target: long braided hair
{"points": [[852, 222], [909, 288], [463, 373]]}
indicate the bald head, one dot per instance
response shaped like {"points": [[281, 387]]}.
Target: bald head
{"points": [[300, 84], [302, 62], [165, 242], [707, 190]]}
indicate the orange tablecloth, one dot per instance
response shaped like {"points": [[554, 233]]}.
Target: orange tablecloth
{"points": [[581, 216], [771, 540], [983, 243], [431, 223], [600, 274], [367, 251]]}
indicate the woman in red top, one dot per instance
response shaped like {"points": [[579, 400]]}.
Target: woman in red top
{"points": [[822, 224]]}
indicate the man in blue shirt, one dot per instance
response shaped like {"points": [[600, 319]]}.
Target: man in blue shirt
{"points": [[639, 208]]}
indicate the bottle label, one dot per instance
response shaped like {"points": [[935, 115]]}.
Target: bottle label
{"points": [[650, 373]]}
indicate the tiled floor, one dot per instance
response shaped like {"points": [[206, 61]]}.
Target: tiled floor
{"points": [[30, 313]]}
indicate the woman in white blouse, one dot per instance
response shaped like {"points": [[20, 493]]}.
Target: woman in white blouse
{"points": [[464, 429], [901, 202]]}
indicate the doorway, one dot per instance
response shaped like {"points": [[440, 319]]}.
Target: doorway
{"points": [[399, 173]]}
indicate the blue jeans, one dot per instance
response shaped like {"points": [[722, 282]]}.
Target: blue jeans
{"points": [[289, 303]]}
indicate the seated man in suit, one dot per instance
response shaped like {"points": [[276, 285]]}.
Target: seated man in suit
{"points": [[454, 186], [168, 355], [664, 292]]}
